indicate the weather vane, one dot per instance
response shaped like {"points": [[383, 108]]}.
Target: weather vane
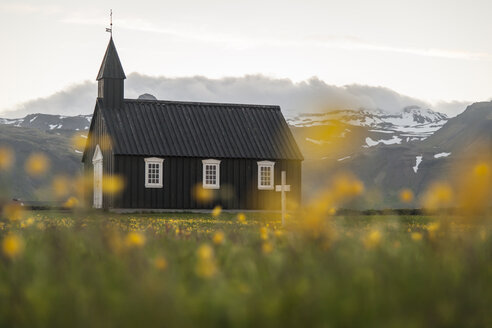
{"points": [[110, 29]]}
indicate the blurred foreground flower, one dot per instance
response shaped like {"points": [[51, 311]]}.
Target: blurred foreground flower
{"points": [[218, 238], [263, 233], [6, 158], [79, 141], [61, 186], [160, 263], [241, 218], [71, 202], [12, 246], [202, 195], [216, 211], [13, 211], [27, 223], [113, 184], [474, 192], [373, 239], [135, 239], [206, 267], [406, 196], [416, 236], [37, 164], [438, 196], [266, 247]]}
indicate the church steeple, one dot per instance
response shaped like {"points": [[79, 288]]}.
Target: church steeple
{"points": [[111, 78]]}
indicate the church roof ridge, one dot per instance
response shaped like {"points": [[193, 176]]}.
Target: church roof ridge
{"points": [[205, 103]]}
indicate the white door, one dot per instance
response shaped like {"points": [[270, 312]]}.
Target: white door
{"points": [[97, 162]]}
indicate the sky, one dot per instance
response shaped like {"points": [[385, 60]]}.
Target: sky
{"points": [[433, 53]]}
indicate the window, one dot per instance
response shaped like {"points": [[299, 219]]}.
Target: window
{"points": [[153, 172], [265, 175], [211, 174]]}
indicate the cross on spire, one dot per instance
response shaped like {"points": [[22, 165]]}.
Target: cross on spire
{"points": [[110, 29]]}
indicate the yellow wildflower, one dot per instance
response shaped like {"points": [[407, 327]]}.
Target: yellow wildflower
{"points": [[12, 246], [481, 170], [13, 211], [113, 184], [218, 238], [406, 196], [483, 235], [433, 227], [438, 196], [279, 233], [266, 247], [78, 141], [71, 202], [61, 186], [37, 164], [416, 236], [201, 194], [6, 158], [241, 218], [160, 263], [216, 211], [135, 239], [263, 233], [205, 252], [373, 239], [206, 267]]}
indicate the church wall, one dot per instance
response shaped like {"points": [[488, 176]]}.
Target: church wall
{"points": [[98, 135], [238, 184]]}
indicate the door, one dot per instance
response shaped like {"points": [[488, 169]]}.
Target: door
{"points": [[97, 162]]}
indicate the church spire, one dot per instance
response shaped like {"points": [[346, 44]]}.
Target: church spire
{"points": [[111, 78], [111, 66]]}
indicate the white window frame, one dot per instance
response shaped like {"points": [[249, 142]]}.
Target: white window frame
{"points": [[211, 162], [153, 160], [271, 165]]}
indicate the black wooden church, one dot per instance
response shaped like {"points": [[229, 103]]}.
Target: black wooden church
{"points": [[171, 152]]}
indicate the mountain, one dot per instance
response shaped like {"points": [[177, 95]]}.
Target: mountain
{"points": [[63, 159], [386, 169], [54, 123], [338, 135]]}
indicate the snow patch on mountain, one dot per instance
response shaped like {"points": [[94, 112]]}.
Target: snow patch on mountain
{"points": [[48, 122], [441, 155], [372, 143], [418, 160], [413, 121]]}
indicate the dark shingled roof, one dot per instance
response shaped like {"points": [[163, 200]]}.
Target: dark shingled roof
{"points": [[192, 129], [111, 66]]}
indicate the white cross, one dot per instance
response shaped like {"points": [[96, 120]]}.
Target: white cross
{"points": [[283, 187]]}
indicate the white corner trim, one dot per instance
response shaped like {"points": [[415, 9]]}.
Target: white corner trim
{"points": [[210, 162], [98, 157], [271, 165], [153, 160]]}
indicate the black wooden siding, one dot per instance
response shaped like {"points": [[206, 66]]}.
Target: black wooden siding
{"points": [[238, 184], [98, 136]]}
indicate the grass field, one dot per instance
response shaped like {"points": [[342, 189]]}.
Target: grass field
{"points": [[189, 270]]}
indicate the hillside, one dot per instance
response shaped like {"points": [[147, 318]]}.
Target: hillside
{"points": [[386, 169], [64, 160]]}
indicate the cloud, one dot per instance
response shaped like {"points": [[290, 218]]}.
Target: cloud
{"points": [[186, 32], [74, 100], [313, 95]]}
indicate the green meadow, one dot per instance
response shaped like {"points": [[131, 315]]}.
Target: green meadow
{"points": [[88, 269]]}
